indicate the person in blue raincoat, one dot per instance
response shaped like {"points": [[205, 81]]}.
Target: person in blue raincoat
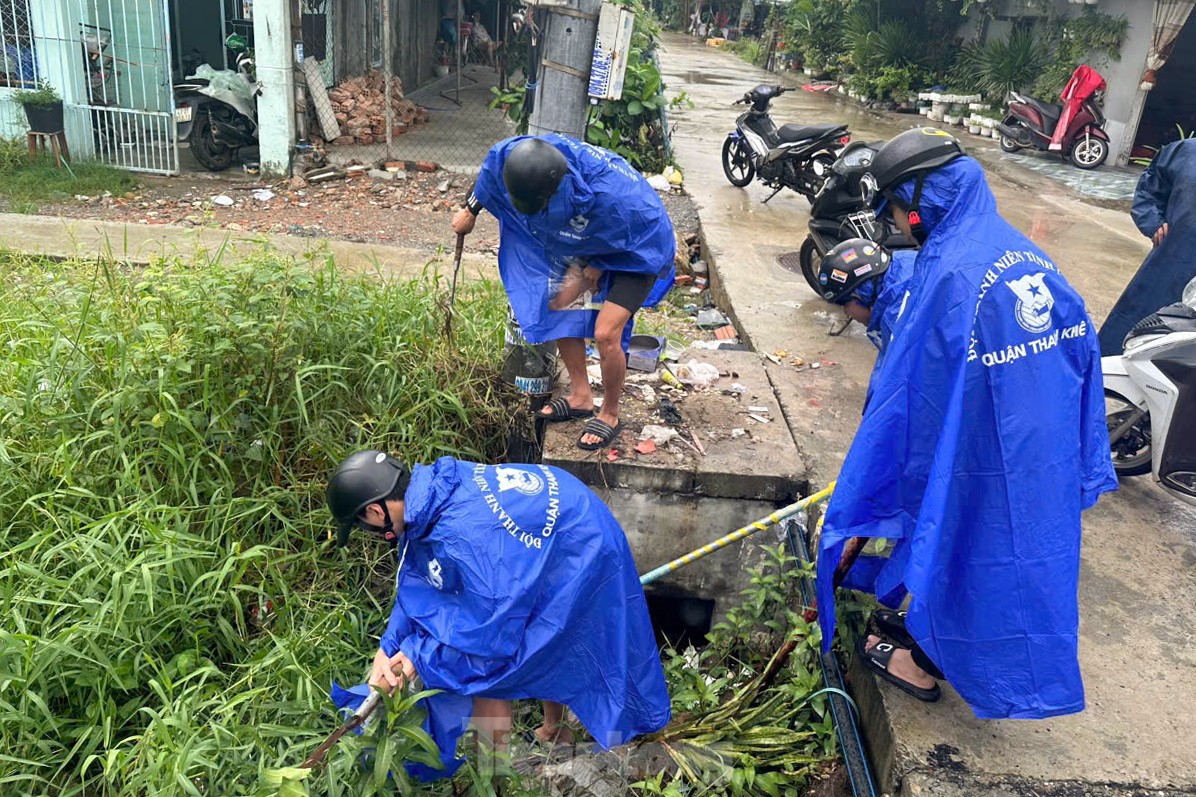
{"points": [[514, 581], [982, 442], [1165, 211], [579, 229], [869, 283]]}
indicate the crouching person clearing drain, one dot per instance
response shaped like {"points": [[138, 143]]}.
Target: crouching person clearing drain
{"points": [[514, 582], [585, 242]]}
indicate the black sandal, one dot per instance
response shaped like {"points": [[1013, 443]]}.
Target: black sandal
{"points": [[559, 410], [877, 660], [603, 430], [891, 624]]}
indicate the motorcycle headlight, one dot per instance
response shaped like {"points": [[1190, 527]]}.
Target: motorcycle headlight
{"points": [[868, 189], [1139, 340], [819, 168]]}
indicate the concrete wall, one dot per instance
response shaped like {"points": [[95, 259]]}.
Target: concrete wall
{"points": [[274, 58], [661, 527], [1125, 75]]}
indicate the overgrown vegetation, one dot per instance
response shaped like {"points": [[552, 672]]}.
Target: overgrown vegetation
{"points": [[175, 615], [26, 184], [1092, 38], [748, 721]]}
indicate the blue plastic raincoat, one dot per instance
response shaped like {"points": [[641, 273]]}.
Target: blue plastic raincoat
{"points": [[982, 443], [517, 582], [1166, 192], [603, 213]]}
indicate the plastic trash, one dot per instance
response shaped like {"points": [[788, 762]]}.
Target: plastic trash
{"points": [[698, 374], [223, 201], [263, 195], [660, 435], [659, 182], [712, 318]]}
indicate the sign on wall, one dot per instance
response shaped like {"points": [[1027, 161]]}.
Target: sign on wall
{"points": [[610, 52]]}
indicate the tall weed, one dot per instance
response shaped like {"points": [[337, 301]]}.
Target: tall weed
{"points": [[174, 614]]}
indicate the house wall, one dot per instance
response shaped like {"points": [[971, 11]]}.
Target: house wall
{"points": [[1124, 76], [57, 64], [413, 39]]}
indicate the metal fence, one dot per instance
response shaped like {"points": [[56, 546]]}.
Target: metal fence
{"points": [[110, 61], [441, 71]]}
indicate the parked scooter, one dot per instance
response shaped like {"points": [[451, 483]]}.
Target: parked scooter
{"points": [[839, 213], [1150, 399], [790, 156], [1033, 123], [215, 111]]}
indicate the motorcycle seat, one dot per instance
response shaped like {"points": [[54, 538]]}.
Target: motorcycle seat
{"points": [[790, 133], [1049, 110]]}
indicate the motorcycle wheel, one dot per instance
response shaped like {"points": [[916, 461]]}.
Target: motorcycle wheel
{"points": [[1088, 152], [1009, 145], [737, 162], [1132, 453], [810, 261], [211, 154]]}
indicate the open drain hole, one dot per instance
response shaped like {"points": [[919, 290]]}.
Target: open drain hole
{"points": [[680, 620]]}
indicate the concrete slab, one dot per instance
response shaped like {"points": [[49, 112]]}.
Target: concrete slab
{"points": [[1138, 582], [141, 244], [674, 500], [760, 465]]}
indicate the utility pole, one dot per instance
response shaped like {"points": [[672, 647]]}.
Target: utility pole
{"points": [[562, 101]]}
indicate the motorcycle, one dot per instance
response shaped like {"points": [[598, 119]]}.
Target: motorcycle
{"points": [[215, 111], [790, 156], [839, 213], [1033, 123], [1150, 399]]}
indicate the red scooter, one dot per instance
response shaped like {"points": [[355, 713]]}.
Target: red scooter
{"points": [[1074, 129]]}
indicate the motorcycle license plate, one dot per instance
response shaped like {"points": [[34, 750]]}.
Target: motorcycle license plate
{"points": [[183, 114]]}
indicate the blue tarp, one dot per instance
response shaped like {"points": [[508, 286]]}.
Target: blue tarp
{"points": [[982, 442], [1166, 192], [518, 582], [603, 213]]}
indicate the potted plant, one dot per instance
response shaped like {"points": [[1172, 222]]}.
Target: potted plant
{"points": [[43, 108]]}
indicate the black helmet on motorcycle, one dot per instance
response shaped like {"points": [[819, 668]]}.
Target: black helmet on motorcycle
{"points": [[365, 478], [532, 173], [911, 154], [848, 266]]}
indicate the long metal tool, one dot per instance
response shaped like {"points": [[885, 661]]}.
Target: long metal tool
{"points": [[316, 759], [739, 534], [448, 319]]}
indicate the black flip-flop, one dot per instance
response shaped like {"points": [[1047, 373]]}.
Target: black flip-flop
{"points": [[605, 432], [877, 660], [561, 411], [891, 624]]}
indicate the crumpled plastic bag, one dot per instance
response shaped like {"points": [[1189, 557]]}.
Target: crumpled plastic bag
{"points": [[225, 80], [661, 435], [698, 374]]}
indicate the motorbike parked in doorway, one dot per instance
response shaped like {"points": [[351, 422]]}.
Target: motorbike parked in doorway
{"points": [[1150, 399], [797, 157], [839, 212], [215, 111], [1033, 123]]}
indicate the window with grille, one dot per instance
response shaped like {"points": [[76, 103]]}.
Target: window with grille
{"points": [[18, 67]]}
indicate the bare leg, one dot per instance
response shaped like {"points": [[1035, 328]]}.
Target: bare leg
{"points": [[608, 334], [554, 730], [492, 718], [573, 354], [902, 665]]}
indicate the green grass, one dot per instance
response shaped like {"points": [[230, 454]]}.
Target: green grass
{"points": [[174, 613], [27, 185]]}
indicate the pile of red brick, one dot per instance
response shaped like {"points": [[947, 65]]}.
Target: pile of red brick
{"points": [[360, 108]]}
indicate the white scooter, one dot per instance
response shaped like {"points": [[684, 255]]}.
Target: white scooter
{"points": [[1150, 399], [215, 111]]}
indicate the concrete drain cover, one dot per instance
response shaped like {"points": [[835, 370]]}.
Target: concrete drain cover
{"points": [[790, 261]]}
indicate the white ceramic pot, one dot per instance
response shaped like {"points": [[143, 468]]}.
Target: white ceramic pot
{"points": [[974, 129]]}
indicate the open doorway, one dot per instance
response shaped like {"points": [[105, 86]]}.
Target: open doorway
{"points": [[1171, 105]]}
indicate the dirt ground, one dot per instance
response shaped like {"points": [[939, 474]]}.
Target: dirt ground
{"points": [[412, 209]]}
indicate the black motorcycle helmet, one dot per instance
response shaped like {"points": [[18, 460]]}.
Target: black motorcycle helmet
{"points": [[532, 174], [848, 266], [364, 478], [911, 154]]}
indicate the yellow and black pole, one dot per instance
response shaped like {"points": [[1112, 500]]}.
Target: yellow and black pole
{"points": [[739, 534]]}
